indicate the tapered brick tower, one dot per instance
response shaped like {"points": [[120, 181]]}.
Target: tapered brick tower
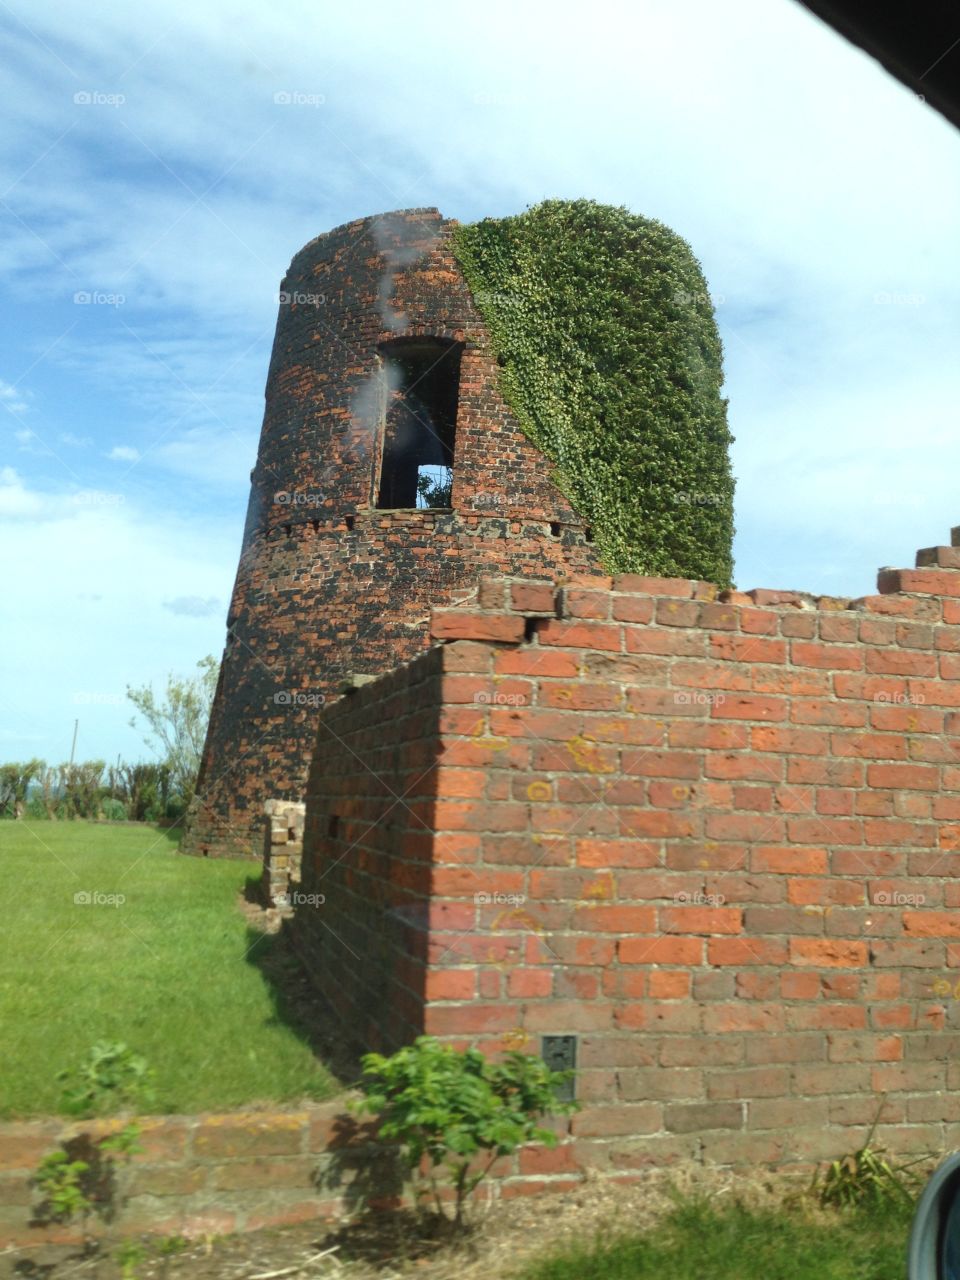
{"points": [[382, 395]]}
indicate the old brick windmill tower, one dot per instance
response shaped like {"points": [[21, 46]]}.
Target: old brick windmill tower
{"points": [[391, 472]]}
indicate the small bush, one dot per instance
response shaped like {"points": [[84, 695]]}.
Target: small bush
{"points": [[448, 1106], [113, 810], [113, 1077], [175, 809]]}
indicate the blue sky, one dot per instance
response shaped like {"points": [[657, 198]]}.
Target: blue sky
{"points": [[163, 162]]}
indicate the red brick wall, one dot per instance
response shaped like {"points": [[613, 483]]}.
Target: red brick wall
{"points": [[371, 844], [195, 1174], [215, 1174], [328, 585], [715, 837]]}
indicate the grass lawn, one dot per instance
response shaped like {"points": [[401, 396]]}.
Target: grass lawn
{"points": [[698, 1240], [169, 972]]}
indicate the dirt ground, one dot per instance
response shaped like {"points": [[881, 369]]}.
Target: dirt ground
{"points": [[505, 1236]]}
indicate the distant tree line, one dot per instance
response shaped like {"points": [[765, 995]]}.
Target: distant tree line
{"points": [[144, 792], [89, 789]]}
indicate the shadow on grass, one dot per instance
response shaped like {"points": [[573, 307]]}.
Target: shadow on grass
{"points": [[297, 1004], [253, 890], [174, 834], [402, 1236], [699, 1237]]}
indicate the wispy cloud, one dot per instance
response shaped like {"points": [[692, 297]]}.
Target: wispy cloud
{"points": [[14, 400], [194, 606], [148, 222]]}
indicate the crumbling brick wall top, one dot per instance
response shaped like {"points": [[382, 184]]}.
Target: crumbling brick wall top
{"points": [[713, 837]]}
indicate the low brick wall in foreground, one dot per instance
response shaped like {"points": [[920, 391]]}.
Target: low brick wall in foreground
{"points": [[240, 1171], [198, 1174]]}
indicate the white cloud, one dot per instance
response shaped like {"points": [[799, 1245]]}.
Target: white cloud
{"points": [[91, 578], [807, 181], [194, 606], [14, 399], [16, 500]]}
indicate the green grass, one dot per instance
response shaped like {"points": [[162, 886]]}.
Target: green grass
{"points": [[699, 1241], [169, 972]]}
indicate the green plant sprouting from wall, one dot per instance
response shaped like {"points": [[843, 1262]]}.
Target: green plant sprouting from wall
{"points": [[611, 361], [80, 1178]]}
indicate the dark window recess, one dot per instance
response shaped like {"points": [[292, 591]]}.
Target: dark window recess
{"points": [[560, 1054], [333, 826], [422, 383], [555, 528]]}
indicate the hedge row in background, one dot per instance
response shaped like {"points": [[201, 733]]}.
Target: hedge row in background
{"points": [[612, 363]]}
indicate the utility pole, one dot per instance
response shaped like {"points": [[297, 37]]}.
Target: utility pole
{"points": [[74, 745]]}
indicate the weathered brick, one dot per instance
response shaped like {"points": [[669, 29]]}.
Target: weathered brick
{"points": [[612, 1121], [239, 1175], [696, 1117], [532, 597], [828, 953], [458, 624], [271, 1134]]}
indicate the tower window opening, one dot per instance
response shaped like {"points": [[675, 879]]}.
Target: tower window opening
{"points": [[422, 377]]}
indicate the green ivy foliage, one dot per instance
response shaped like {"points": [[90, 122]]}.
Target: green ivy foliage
{"points": [[612, 363]]}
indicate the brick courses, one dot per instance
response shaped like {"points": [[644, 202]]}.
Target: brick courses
{"points": [[328, 585], [715, 835]]}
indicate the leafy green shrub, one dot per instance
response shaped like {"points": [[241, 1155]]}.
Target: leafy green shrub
{"points": [[111, 1078], [80, 789], [113, 810], [448, 1106], [175, 809], [36, 808], [612, 364], [15, 780]]}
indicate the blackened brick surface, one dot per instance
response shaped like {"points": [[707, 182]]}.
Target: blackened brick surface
{"points": [[327, 584]]}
